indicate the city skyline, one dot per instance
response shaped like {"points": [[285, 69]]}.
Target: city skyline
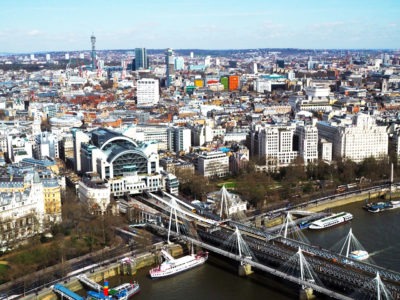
{"points": [[66, 26]]}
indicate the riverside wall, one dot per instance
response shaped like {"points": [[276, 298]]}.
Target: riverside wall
{"points": [[350, 199], [127, 266]]}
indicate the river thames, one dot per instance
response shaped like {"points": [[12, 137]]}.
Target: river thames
{"points": [[378, 233]]}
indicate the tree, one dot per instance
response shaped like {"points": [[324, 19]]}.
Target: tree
{"points": [[194, 185], [320, 170], [255, 187], [347, 170]]}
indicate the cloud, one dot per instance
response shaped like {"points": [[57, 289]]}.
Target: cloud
{"points": [[218, 14], [271, 25], [34, 32], [329, 24]]}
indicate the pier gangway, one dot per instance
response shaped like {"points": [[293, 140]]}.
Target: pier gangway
{"points": [[66, 293], [86, 281]]}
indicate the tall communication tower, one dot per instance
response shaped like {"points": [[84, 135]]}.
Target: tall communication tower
{"points": [[93, 40], [169, 61]]}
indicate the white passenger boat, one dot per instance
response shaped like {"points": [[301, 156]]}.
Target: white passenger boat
{"points": [[332, 220], [173, 266]]}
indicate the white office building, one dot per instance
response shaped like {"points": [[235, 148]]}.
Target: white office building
{"points": [[213, 164], [46, 145], [179, 63], [308, 143], [153, 133], [325, 150], [356, 141], [263, 85], [274, 143], [148, 93], [318, 98]]}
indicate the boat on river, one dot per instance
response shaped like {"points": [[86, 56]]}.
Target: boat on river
{"points": [[359, 254], [376, 207], [121, 292], [332, 220], [173, 266], [304, 224]]}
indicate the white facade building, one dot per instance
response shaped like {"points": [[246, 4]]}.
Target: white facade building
{"points": [[22, 213], [357, 141], [117, 159], [46, 145], [325, 150], [213, 164], [19, 148], [235, 136], [96, 195], [275, 143], [148, 93], [263, 85], [153, 133], [179, 63], [308, 143], [132, 183]]}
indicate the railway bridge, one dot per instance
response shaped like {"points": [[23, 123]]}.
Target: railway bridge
{"points": [[340, 276]]}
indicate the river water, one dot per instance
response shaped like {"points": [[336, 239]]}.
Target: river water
{"points": [[378, 233]]}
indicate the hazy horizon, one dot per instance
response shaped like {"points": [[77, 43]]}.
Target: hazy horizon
{"points": [[53, 26]]}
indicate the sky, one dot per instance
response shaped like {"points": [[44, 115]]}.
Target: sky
{"points": [[58, 25]]}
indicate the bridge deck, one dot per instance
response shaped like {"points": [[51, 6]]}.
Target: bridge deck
{"points": [[271, 249], [267, 269]]}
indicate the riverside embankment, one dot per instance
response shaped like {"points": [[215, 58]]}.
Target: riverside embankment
{"points": [[127, 264], [344, 200]]}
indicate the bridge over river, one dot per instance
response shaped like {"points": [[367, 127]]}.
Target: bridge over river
{"points": [[339, 276]]}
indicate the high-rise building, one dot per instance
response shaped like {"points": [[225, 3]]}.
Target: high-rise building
{"points": [[148, 93], [179, 63], [179, 139], [170, 66], [93, 41], [207, 61], [310, 63], [79, 138], [308, 143], [254, 68], [233, 82], [225, 82], [291, 75], [280, 63], [141, 60], [274, 143]]}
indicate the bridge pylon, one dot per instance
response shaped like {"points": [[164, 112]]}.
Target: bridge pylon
{"points": [[306, 293], [244, 268], [173, 211]]}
